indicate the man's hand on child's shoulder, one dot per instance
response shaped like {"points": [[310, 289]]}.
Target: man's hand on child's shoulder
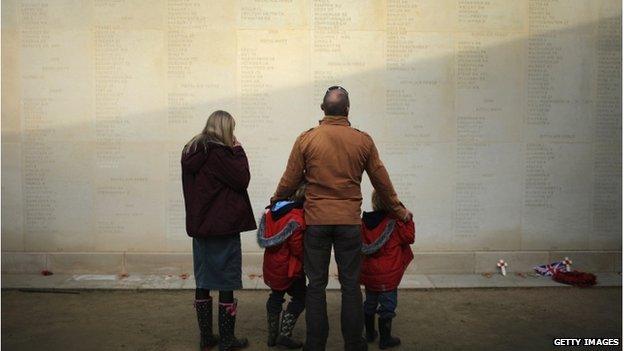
{"points": [[408, 216]]}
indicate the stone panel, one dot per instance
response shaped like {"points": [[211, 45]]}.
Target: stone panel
{"points": [[498, 121]]}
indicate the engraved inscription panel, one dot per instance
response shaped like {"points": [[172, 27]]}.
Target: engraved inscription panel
{"points": [[499, 121]]}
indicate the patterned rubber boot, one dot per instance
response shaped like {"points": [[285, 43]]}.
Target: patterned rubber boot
{"points": [[204, 319], [273, 320], [227, 324], [285, 336], [369, 323], [386, 340]]}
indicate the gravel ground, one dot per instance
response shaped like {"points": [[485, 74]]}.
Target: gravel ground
{"points": [[442, 319]]}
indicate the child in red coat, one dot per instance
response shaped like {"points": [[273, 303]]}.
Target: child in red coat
{"points": [[280, 233], [386, 246]]}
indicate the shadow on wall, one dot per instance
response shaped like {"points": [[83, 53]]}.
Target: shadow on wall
{"points": [[495, 141]]}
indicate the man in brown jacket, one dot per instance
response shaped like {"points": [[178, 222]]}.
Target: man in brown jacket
{"points": [[331, 159]]}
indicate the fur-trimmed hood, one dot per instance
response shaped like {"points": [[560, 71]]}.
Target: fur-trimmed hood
{"points": [[278, 238], [371, 221]]}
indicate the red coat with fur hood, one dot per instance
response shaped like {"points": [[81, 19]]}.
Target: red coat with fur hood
{"points": [[386, 246], [280, 233]]}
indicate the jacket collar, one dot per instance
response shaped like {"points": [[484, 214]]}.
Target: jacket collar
{"points": [[282, 211], [372, 219], [335, 120]]}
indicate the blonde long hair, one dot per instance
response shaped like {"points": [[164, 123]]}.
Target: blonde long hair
{"points": [[219, 129], [378, 204], [299, 194]]}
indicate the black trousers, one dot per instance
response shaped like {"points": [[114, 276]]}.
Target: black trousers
{"points": [[297, 292], [347, 243]]}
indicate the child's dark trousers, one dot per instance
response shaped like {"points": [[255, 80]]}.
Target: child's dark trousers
{"points": [[387, 302], [297, 291]]}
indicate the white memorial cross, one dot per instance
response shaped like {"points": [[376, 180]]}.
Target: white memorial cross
{"points": [[502, 264]]}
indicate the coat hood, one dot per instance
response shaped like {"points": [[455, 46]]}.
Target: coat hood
{"points": [[193, 160], [278, 238], [372, 221]]}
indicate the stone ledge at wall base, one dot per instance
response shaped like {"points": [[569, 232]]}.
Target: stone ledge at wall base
{"points": [[65, 283], [133, 263]]}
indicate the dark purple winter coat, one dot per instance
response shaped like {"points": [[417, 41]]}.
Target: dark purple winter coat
{"points": [[215, 183]]}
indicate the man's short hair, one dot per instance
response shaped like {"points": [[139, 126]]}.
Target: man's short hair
{"points": [[336, 102]]}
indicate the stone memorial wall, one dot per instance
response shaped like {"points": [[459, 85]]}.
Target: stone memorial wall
{"points": [[499, 121]]}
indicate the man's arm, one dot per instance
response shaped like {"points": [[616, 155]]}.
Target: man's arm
{"points": [[381, 182], [293, 175]]}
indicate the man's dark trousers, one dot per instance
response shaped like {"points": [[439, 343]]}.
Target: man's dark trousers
{"points": [[347, 243]]}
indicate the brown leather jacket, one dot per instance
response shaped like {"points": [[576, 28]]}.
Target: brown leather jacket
{"points": [[332, 158]]}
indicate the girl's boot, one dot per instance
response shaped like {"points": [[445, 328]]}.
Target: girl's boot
{"points": [[227, 323], [285, 335], [272, 327], [369, 323], [386, 340], [204, 319]]}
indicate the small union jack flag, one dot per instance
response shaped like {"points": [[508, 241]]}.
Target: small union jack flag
{"points": [[548, 270]]}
